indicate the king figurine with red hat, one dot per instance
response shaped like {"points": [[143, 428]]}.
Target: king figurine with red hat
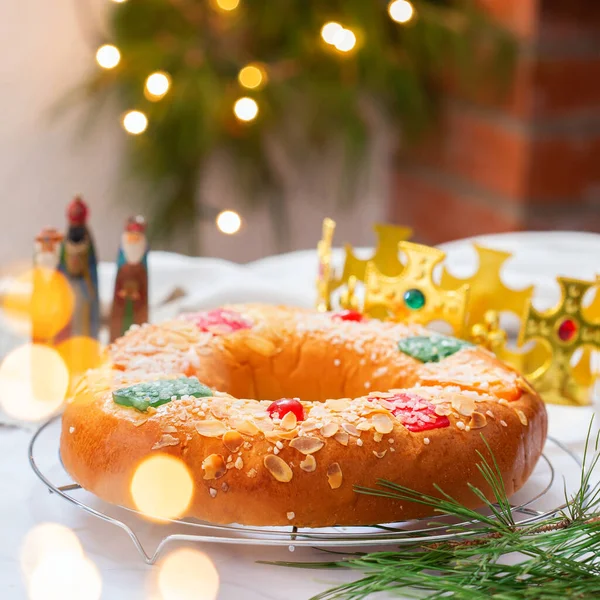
{"points": [[79, 264], [130, 301]]}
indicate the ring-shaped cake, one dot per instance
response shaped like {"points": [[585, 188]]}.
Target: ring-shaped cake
{"points": [[279, 413]]}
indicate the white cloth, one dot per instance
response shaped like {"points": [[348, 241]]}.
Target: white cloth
{"points": [[288, 279]]}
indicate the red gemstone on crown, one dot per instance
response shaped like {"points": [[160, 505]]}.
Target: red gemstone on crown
{"points": [[567, 329], [219, 321], [280, 408], [416, 413], [348, 315]]}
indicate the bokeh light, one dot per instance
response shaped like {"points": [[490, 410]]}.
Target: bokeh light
{"points": [[229, 222], [245, 109], [135, 122], [227, 5], [47, 539], [60, 577], [329, 31], [344, 40], [33, 382], [187, 574], [157, 85], [162, 487], [108, 56], [79, 354], [401, 11], [252, 76], [39, 303]]}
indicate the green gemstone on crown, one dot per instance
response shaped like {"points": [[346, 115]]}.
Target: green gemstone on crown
{"points": [[431, 348], [414, 299], [154, 393]]}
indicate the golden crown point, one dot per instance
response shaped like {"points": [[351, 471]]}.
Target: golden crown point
{"points": [[486, 288], [412, 296], [564, 329], [325, 276]]}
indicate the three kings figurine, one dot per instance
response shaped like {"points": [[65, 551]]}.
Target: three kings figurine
{"points": [[130, 301]]}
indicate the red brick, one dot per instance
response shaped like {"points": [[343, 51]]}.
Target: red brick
{"points": [[563, 166], [439, 214], [520, 16]]}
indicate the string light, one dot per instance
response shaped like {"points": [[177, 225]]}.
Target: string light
{"points": [[252, 76], [401, 11], [345, 40], [119, 1], [329, 32], [245, 109], [157, 85], [108, 56], [227, 5], [229, 222], [135, 122]]}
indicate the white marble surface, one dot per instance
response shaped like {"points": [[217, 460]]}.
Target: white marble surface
{"points": [[24, 501]]}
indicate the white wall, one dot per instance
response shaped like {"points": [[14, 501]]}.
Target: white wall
{"points": [[44, 53]]}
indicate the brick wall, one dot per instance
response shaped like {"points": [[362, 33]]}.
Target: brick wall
{"points": [[528, 161]]}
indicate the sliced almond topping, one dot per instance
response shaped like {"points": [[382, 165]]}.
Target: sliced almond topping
{"points": [[329, 429], [251, 473], [377, 436], [278, 468], [522, 416], [307, 445], [309, 425], [214, 466], [288, 435], [247, 427], [364, 426], [334, 476], [233, 441], [337, 405], [169, 429], [210, 428], [341, 437], [382, 423], [477, 421], [463, 405], [442, 410], [260, 345], [309, 464], [239, 463], [289, 421], [351, 429], [379, 454], [166, 440]]}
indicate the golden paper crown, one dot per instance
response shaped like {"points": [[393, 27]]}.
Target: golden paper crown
{"points": [[407, 291]]}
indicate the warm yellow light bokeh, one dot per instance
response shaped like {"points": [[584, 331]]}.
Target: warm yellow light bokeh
{"points": [[227, 4], [252, 76], [108, 56], [245, 109], [401, 11], [162, 487], [39, 303], [44, 540], [157, 85], [187, 574], [60, 577], [33, 382], [329, 31], [135, 122], [344, 40], [80, 353], [229, 222]]}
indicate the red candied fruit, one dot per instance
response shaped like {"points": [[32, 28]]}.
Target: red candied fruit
{"points": [[280, 408], [348, 315], [219, 320], [416, 413]]}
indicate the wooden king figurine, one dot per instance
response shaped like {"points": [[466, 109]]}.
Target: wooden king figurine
{"points": [[79, 264], [130, 301]]}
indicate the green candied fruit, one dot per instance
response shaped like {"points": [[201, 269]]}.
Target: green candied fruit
{"points": [[154, 393], [431, 348]]}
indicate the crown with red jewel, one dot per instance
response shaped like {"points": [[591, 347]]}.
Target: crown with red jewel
{"points": [[77, 211], [136, 224], [386, 287]]}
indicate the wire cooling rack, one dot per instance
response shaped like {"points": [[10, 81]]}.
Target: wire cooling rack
{"points": [[542, 496]]}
